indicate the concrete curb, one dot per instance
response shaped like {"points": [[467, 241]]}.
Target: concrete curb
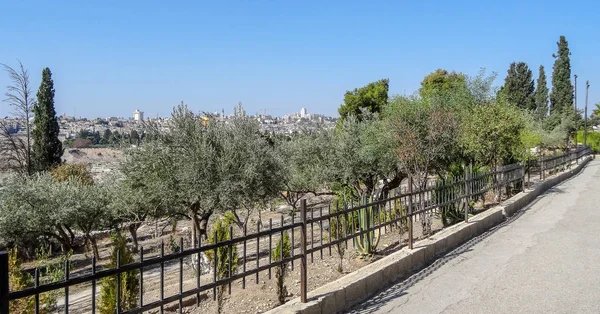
{"points": [[355, 287]]}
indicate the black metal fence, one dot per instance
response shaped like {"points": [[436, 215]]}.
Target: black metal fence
{"points": [[314, 231]]}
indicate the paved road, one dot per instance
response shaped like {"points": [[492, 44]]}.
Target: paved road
{"points": [[544, 260]]}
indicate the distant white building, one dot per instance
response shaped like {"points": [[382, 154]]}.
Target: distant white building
{"points": [[303, 113], [138, 115]]}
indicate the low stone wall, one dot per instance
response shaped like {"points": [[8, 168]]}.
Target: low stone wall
{"points": [[353, 288]]}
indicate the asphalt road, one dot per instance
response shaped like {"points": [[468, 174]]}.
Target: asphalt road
{"points": [[545, 259]]}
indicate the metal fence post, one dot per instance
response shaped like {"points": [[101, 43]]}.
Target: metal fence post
{"points": [[303, 270], [523, 175], [467, 196], [4, 282], [410, 210], [542, 167]]}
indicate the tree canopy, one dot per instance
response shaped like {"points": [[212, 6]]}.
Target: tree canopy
{"points": [[370, 98], [440, 82], [519, 87]]}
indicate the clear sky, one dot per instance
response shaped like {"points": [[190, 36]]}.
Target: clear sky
{"points": [[111, 57]]}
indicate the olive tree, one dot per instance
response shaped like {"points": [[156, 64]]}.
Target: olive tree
{"points": [[492, 133], [249, 171], [88, 208], [146, 189], [364, 158], [306, 165], [34, 207], [426, 132]]}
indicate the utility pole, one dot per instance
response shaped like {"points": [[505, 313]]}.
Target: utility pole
{"points": [[587, 87], [575, 95]]}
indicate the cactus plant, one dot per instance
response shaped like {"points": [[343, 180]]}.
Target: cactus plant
{"points": [[364, 219]]}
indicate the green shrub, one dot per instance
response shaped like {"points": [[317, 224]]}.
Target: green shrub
{"points": [[592, 140], [129, 280], [283, 249], [19, 280]]}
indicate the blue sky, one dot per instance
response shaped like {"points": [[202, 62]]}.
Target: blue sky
{"points": [[111, 57]]}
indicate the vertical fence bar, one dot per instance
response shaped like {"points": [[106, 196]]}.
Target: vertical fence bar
{"points": [[270, 244], [257, 249], [523, 176], [542, 167], [141, 277], [180, 275], [321, 230], [93, 285], [244, 265], [4, 282], [353, 229], [303, 270], [293, 243], [281, 240], [118, 306], [67, 287], [329, 224], [162, 276], [37, 295], [216, 266], [199, 271], [229, 262], [312, 235], [410, 210], [466, 194]]}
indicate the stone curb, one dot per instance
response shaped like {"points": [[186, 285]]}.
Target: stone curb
{"points": [[357, 286]]}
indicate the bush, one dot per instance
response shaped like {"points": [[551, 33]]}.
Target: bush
{"points": [[282, 250], [129, 281], [65, 172], [19, 280], [592, 140]]}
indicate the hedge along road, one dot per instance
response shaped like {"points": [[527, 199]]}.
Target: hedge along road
{"points": [[545, 259]]}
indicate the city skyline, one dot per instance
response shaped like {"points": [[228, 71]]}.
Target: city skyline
{"points": [[110, 58]]}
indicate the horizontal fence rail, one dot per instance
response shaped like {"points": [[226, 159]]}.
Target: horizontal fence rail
{"points": [[313, 232]]}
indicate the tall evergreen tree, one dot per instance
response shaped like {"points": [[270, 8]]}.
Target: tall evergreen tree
{"points": [[561, 96], [47, 148], [518, 86], [541, 95]]}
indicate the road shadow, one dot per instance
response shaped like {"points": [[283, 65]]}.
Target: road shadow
{"points": [[400, 288]]}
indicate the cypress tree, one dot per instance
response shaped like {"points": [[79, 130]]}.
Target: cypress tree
{"points": [[519, 87], [561, 96], [541, 95], [47, 148]]}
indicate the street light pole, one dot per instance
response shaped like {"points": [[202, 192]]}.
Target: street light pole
{"points": [[587, 87], [575, 95]]}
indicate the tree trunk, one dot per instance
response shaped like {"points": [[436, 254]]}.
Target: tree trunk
{"points": [[71, 233], [195, 227], [92, 240], [133, 227], [64, 240], [203, 224], [238, 221]]}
